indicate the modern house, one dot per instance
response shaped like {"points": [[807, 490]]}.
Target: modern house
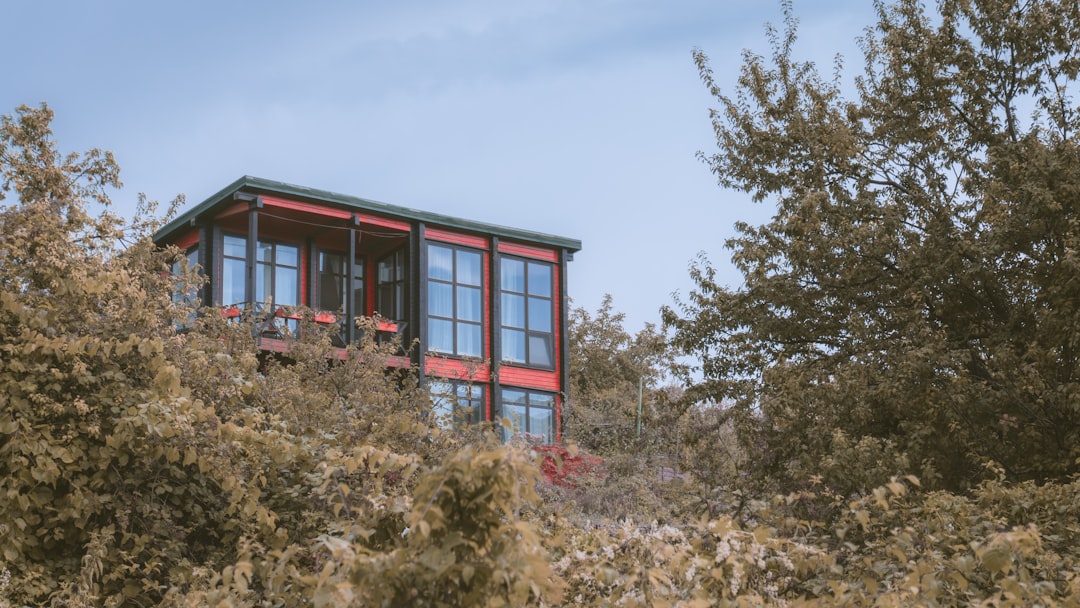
{"points": [[487, 304]]}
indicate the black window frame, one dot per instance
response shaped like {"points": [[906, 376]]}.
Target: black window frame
{"points": [[509, 432], [357, 283], [274, 264], [528, 297], [390, 295], [475, 403], [455, 284], [220, 283]]}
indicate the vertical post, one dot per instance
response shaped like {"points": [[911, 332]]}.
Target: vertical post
{"points": [[203, 261], [252, 251], [214, 297], [495, 329], [417, 289], [350, 294], [563, 327]]}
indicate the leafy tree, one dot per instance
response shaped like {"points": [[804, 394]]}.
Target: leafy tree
{"points": [[611, 371], [913, 303]]}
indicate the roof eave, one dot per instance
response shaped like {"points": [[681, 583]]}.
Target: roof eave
{"points": [[265, 186]]}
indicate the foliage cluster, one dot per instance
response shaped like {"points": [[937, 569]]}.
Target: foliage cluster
{"points": [[912, 305], [884, 415]]}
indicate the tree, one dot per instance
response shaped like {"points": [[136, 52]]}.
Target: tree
{"points": [[913, 304], [609, 370]]}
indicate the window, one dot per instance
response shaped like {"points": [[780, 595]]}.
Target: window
{"points": [[333, 288], [531, 415], [179, 267], [277, 274], [187, 294], [390, 286], [527, 312], [455, 301], [457, 403], [233, 269]]}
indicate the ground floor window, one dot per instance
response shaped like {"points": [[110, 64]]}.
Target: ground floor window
{"points": [[531, 415], [457, 403]]}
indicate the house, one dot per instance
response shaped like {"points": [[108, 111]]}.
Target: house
{"points": [[487, 304]]}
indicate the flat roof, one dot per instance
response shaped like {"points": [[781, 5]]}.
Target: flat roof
{"points": [[258, 185]]}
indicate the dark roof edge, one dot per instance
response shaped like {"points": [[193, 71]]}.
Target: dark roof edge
{"points": [[267, 186]]}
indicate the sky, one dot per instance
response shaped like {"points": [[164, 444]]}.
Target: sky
{"points": [[578, 118]]}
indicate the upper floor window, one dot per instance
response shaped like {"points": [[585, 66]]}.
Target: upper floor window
{"points": [[277, 273], [333, 285], [527, 312], [390, 286], [455, 301], [457, 403], [187, 294], [233, 269], [186, 263], [531, 414]]}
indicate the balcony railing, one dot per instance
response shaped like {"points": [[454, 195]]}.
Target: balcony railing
{"points": [[280, 322]]}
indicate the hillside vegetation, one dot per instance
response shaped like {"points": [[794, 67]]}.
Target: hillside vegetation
{"points": [[884, 414]]}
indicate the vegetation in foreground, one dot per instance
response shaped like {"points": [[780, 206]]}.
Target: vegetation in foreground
{"points": [[898, 375]]}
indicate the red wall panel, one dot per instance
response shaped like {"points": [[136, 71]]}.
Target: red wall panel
{"points": [[457, 369], [538, 253], [456, 238], [543, 379]]}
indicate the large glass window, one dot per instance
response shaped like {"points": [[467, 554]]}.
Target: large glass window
{"points": [[188, 262], [187, 294], [390, 286], [233, 269], [455, 301], [457, 403], [333, 286], [531, 415], [277, 274], [527, 313]]}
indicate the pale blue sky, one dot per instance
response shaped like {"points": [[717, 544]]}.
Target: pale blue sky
{"points": [[579, 118]]}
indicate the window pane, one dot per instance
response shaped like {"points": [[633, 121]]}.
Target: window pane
{"points": [[513, 345], [468, 267], [440, 263], [516, 415], [440, 335], [232, 281], [384, 304], [359, 305], [398, 311], [331, 262], [288, 255], [264, 252], [442, 400], [469, 304], [541, 424], [540, 314], [441, 299], [386, 270], [262, 282], [235, 246], [469, 340], [286, 286], [512, 396], [541, 400], [513, 310], [540, 350], [513, 275], [540, 279]]}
